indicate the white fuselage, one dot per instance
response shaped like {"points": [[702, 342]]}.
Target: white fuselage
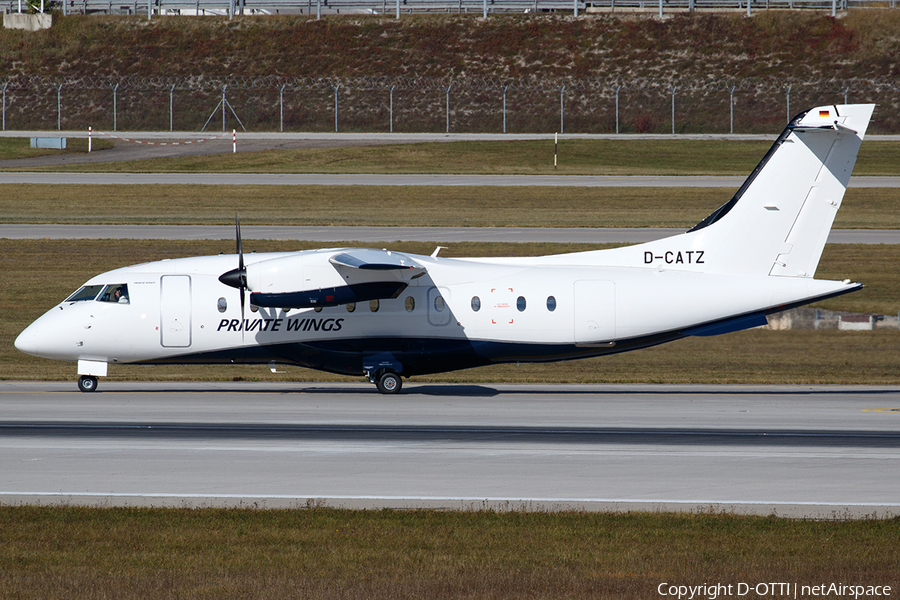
{"points": [[546, 308]]}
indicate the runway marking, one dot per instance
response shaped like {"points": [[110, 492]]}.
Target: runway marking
{"points": [[882, 410]]}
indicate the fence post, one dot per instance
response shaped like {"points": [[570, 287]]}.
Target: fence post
{"points": [[59, 107], [171, 107], [576, 7], [281, 106], [485, 9], [392, 109], [398, 9], [4, 105], [448, 105], [789, 103], [504, 107], [673, 108], [731, 107], [116, 108], [223, 107], [562, 90], [618, 87], [846, 90], [336, 87]]}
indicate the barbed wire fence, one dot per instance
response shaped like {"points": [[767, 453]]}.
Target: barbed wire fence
{"points": [[431, 104]]}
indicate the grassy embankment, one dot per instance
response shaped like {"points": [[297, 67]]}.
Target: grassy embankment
{"points": [[774, 46]]}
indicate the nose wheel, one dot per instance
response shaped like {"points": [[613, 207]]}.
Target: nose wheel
{"points": [[87, 383]]}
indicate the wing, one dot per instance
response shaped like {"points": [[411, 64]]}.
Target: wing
{"points": [[366, 275]]}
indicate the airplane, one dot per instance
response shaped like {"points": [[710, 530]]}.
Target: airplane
{"points": [[388, 315]]}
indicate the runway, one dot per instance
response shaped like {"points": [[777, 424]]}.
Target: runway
{"points": [[805, 451]]}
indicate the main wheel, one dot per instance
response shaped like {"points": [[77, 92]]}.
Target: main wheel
{"points": [[87, 383], [389, 383]]}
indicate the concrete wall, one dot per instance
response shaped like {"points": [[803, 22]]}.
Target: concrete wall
{"points": [[27, 22]]}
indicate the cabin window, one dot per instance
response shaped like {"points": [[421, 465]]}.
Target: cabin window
{"points": [[476, 303], [117, 293], [410, 304], [551, 303], [222, 304], [520, 303], [87, 292], [373, 305], [351, 306], [439, 304]]}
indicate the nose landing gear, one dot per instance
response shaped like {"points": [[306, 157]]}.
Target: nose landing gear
{"points": [[87, 383]]}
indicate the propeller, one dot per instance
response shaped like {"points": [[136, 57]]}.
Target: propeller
{"points": [[237, 278]]}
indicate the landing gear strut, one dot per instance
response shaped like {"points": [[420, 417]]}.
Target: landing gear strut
{"points": [[389, 382], [87, 383]]}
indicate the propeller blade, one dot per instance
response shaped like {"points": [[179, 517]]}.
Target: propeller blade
{"points": [[242, 272], [240, 249], [237, 278]]}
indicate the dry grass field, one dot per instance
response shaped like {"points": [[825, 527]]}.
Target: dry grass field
{"points": [[319, 553]]}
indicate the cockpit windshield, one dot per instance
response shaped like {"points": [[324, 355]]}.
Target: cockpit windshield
{"points": [[114, 292], [87, 292]]}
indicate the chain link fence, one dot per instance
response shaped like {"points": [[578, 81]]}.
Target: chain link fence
{"points": [[431, 105], [398, 8]]}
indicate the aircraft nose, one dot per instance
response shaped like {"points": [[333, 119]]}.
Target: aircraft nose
{"points": [[42, 338], [27, 341]]}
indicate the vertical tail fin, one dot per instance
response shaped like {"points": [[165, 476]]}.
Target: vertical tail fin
{"points": [[778, 221]]}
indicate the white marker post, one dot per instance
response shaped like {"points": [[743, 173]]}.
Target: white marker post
{"points": [[233, 141], [555, 148], [90, 136]]}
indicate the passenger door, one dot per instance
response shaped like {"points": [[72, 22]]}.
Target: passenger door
{"points": [[175, 311]]}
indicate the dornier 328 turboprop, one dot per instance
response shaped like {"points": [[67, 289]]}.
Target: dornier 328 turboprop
{"points": [[385, 314]]}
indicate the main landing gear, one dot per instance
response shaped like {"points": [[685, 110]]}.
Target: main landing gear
{"points": [[87, 383], [387, 382]]}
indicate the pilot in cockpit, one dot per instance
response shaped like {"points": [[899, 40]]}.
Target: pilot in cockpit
{"points": [[115, 293], [120, 295]]}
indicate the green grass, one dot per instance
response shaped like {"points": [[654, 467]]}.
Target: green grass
{"points": [[421, 206], [576, 157], [12, 148], [39, 273]]}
